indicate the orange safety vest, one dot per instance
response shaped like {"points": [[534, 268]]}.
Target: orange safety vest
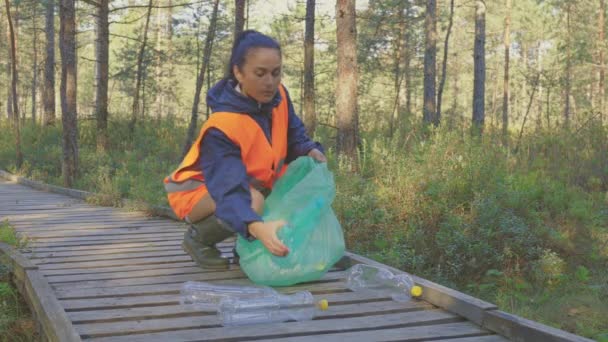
{"points": [[264, 162]]}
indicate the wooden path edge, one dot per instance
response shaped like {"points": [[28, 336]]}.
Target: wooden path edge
{"points": [[54, 323], [476, 310]]}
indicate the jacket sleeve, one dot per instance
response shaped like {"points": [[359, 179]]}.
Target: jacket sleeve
{"points": [[226, 180], [298, 142]]}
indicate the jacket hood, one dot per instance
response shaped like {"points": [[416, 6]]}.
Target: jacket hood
{"points": [[223, 97]]}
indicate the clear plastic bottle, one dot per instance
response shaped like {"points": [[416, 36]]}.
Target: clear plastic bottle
{"points": [[366, 278], [208, 296], [299, 306]]}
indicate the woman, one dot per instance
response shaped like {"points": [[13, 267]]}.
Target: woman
{"points": [[219, 187]]}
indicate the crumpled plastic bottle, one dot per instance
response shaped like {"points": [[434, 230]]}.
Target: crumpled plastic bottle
{"points": [[299, 306], [371, 279]]}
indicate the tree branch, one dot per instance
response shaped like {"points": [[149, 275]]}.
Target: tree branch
{"points": [[144, 6], [91, 2]]}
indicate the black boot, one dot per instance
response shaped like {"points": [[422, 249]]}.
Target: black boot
{"points": [[200, 239]]}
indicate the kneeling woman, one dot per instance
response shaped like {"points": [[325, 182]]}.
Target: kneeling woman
{"points": [[244, 147]]}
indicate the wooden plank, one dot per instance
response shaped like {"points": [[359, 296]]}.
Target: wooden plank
{"points": [[209, 319], [172, 311], [521, 329], [49, 312], [45, 187], [101, 226], [124, 268], [123, 275], [82, 253], [133, 236], [488, 338], [100, 221], [112, 263], [102, 248], [100, 234], [416, 333], [152, 280], [98, 244], [114, 212], [203, 276], [277, 330], [111, 253], [327, 284], [467, 306]]}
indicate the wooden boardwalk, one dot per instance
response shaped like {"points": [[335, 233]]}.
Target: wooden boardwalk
{"points": [[105, 274]]}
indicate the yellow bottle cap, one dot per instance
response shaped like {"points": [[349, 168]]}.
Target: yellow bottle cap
{"points": [[416, 291], [323, 304]]}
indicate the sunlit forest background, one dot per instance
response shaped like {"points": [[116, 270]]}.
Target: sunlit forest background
{"points": [[469, 148]]}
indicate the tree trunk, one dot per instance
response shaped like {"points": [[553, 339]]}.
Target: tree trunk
{"points": [[407, 63], [568, 70], [168, 67], [480, 67], [140, 60], [68, 91], [158, 69], [601, 54], [539, 70], [14, 80], [346, 93], [34, 61], [310, 117], [9, 73], [49, 66], [102, 50], [505, 95], [430, 56], [444, 69], [201, 79], [398, 77], [239, 17]]}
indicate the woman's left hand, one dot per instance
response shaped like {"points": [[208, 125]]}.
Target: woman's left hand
{"points": [[317, 155]]}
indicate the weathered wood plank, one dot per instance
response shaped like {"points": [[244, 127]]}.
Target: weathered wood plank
{"points": [[107, 257], [43, 244], [172, 311], [121, 233], [417, 333], [100, 238], [521, 329], [102, 248], [100, 253], [123, 275], [55, 221], [49, 312], [488, 338], [276, 330], [111, 263], [326, 284], [152, 280], [124, 268], [94, 227], [201, 319]]}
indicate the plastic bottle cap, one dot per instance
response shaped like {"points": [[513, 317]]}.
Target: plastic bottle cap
{"points": [[416, 291], [323, 304]]}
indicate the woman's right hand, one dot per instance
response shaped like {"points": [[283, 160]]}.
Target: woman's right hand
{"points": [[266, 232]]}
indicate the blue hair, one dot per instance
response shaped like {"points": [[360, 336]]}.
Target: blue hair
{"points": [[245, 41]]}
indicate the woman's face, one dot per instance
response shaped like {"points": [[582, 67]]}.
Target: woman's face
{"points": [[260, 76]]}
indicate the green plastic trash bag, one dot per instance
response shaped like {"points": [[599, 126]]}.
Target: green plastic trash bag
{"points": [[302, 197]]}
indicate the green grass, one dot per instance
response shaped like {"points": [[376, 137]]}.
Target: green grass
{"points": [[526, 229], [16, 322]]}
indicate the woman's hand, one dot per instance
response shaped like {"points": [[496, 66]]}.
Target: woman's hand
{"points": [[317, 155], [266, 232]]}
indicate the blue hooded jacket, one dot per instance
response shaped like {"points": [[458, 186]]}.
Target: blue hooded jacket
{"points": [[220, 159]]}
